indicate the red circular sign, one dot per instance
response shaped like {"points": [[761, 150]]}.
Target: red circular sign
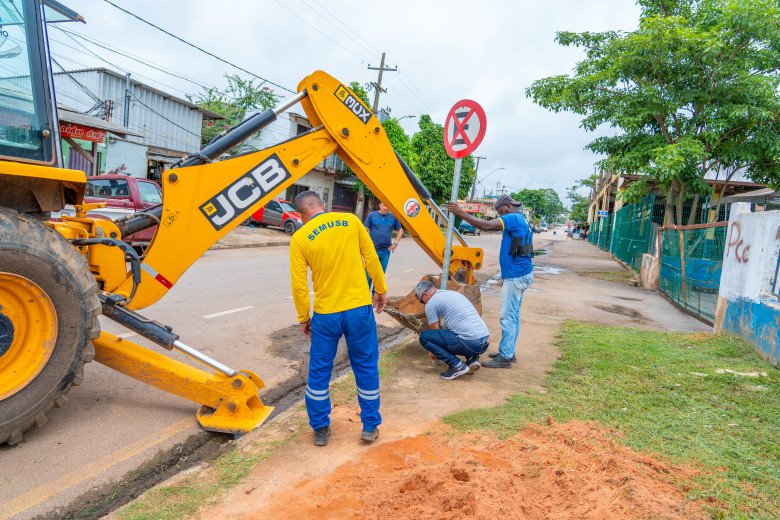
{"points": [[464, 128]]}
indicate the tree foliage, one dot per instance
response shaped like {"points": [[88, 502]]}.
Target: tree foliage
{"points": [[580, 203], [434, 167], [544, 203], [693, 90], [233, 102]]}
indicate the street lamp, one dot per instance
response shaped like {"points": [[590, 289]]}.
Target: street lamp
{"points": [[403, 117]]}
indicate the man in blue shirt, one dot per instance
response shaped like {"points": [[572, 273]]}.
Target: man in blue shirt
{"points": [[517, 270], [380, 225]]}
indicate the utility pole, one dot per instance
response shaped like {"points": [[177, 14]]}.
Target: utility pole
{"points": [[476, 173], [127, 99], [377, 90], [378, 85]]}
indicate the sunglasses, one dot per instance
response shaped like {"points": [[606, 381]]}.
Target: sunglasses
{"points": [[421, 298]]}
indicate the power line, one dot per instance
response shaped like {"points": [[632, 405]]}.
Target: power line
{"points": [[72, 34], [375, 50], [196, 47], [315, 28], [336, 26]]}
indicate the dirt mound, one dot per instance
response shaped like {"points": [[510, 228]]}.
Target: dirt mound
{"points": [[556, 472]]}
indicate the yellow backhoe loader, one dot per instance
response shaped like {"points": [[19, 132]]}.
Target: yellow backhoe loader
{"points": [[56, 278]]}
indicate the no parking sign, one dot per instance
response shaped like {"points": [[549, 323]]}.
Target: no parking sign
{"points": [[464, 128]]}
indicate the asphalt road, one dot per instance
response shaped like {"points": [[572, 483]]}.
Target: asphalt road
{"points": [[234, 305]]}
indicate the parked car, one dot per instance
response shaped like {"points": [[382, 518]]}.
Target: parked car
{"points": [[123, 195], [278, 212], [465, 227]]}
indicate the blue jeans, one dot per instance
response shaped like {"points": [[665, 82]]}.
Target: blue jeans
{"points": [[359, 327], [384, 257], [511, 299], [445, 344]]}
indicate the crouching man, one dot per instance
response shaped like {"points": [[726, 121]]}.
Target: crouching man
{"points": [[465, 335]]}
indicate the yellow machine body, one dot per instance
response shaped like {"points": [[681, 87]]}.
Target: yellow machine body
{"points": [[201, 204]]}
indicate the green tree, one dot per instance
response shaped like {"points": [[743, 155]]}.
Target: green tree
{"points": [[580, 203], [693, 90], [434, 167], [233, 102], [543, 202]]}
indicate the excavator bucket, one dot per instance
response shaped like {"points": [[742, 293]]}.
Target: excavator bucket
{"points": [[410, 313]]}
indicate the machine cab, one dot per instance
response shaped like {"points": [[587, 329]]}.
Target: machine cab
{"points": [[29, 129]]}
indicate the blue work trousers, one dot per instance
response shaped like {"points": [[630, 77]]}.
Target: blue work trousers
{"points": [[359, 327], [511, 299], [446, 345], [384, 257]]}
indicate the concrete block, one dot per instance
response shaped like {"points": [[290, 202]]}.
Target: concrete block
{"points": [[650, 272]]}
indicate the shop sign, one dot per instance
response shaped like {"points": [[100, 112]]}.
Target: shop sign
{"points": [[80, 132]]}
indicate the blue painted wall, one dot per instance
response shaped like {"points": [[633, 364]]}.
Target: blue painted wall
{"points": [[757, 323]]}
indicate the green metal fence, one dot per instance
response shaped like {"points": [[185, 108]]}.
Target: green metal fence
{"points": [[691, 264], [632, 231]]}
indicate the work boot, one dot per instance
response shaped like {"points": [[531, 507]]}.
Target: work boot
{"points": [[498, 362], [473, 363], [369, 436], [453, 372], [321, 436], [494, 355]]}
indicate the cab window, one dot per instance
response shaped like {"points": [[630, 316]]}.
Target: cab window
{"points": [[23, 96], [150, 192], [108, 188]]}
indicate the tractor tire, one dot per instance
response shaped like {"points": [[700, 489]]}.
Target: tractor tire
{"points": [[48, 319]]}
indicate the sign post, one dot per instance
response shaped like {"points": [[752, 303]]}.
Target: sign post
{"points": [[464, 130]]}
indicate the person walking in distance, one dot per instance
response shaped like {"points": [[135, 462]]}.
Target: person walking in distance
{"points": [[465, 335], [336, 246], [380, 225], [517, 270]]}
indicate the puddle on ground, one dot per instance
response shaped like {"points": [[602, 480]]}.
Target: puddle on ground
{"points": [[540, 252], [549, 269], [493, 284]]}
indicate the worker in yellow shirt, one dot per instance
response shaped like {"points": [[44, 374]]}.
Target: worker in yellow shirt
{"points": [[338, 250]]}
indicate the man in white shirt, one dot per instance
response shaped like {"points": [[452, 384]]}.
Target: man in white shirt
{"points": [[465, 333]]}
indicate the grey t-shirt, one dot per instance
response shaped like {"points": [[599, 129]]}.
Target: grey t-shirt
{"points": [[459, 314]]}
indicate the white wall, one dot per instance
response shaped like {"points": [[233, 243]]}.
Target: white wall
{"points": [[132, 155], [750, 255]]}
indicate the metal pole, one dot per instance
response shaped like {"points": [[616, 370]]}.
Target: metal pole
{"points": [[450, 226], [127, 99]]}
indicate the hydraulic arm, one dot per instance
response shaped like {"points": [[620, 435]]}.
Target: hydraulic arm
{"points": [[203, 201]]}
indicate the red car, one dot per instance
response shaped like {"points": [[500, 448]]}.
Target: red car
{"points": [[123, 195], [280, 213]]}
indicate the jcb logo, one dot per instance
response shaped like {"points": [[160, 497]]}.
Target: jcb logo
{"points": [[225, 206], [352, 103]]}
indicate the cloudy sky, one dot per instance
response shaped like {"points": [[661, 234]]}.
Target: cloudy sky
{"points": [[444, 51]]}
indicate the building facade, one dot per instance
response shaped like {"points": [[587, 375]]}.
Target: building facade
{"points": [[161, 127]]}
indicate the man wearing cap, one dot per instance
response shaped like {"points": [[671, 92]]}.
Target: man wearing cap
{"points": [[517, 270]]}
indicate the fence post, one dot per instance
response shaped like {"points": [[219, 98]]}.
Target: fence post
{"points": [[682, 269]]}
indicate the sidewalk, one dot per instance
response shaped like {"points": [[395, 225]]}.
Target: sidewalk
{"points": [[253, 236], [416, 468]]}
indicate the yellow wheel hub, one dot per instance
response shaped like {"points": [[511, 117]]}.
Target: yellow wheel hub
{"points": [[28, 332]]}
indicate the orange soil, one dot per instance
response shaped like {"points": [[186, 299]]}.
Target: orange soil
{"points": [[556, 472]]}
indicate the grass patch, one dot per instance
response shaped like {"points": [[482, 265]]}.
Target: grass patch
{"points": [[183, 499], [343, 390], [640, 382], [626, 277]]}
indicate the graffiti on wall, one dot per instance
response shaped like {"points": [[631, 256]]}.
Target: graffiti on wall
{"points": [[737, 244]]}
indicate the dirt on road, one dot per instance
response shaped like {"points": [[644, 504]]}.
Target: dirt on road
{"points": [[418, 468]]}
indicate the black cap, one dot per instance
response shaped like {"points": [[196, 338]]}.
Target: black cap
{"points": [[505, 199]]}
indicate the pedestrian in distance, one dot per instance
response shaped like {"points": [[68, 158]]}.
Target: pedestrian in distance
{"points": [[336, 246], [465, 334], [517, 270], [380, 225]]}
